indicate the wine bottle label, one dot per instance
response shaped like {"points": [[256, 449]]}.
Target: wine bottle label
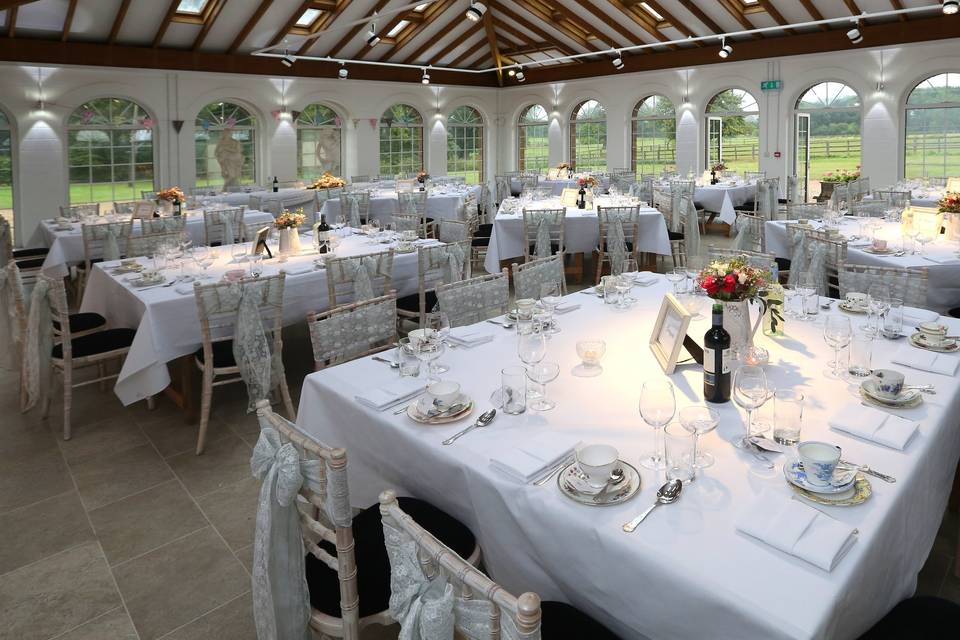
{"points": [[709, 360]]}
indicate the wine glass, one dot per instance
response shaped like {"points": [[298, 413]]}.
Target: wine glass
{"points": [[549, 299], [749, 392], [837, 333], [541, 373], [428, 352], [878, 300], [439, 322], [531, 347], [657, 407], [203, 257], [698, 420]]}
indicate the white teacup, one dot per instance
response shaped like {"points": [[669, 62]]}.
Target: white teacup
{"points": [[933, 333], [443, 394], [597, 461], [819, 461], [857, 299]]}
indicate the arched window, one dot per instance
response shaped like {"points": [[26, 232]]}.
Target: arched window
{"points": [[933, 128], [6, 168], [654, 127], [588, 137], [225, 143], [827, 135], [109, 151], [465, 144], [733, 131], [533, 139], [319, 141], [401, 141]]}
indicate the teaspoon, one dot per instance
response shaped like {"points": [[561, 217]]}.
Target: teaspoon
{"points": [[668, 493], [482, 421]]}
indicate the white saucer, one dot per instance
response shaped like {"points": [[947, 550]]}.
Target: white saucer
{"points": [[907, 396], [843, 479]]}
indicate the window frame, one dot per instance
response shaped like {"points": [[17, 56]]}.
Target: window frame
{"points": [[722, 115], [941, 105], [576, 123], [386, 124], [301, 127], [636, 120], [253, 128], [7, 127], [522, 137], [462, 131]]}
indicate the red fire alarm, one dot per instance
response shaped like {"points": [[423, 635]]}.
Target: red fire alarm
{"points": [[776, 154]]}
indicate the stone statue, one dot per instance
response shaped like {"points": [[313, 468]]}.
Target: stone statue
{"points": [[229, 155]]}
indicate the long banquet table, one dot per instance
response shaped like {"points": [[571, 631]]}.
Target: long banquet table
{"points": [[940, 257], [166, 317], [686, 572], [442, 203], [581, 232]]}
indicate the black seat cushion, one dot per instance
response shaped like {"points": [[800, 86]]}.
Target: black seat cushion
{"points": [[29, 263], [99, 342], [674, 235], [373, 566], [480, 241], [80, 322], [954, 313], [411, 302], [222, 354], [783, 264], [30, 253], [83, 265], [563, 621], [484, 230], [554, 247], [921, 617]]}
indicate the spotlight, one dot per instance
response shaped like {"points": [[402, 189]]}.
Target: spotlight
{"points": [[855, 36], [520, 77], [475, 11], [618, 62], [343, 73], [725, 49], [512, 72], [426, 77], [287, 60], [372, 38], [951, 7]]}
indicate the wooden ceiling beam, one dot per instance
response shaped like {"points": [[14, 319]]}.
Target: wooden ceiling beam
{"points": [[68, 20], [12, 22], [737, 12], [642, 22], [350, 35], [449, 27], [431, 13], [324, 23], [167, 19], [249, 26], [544, 12], [502, 10], [13, 4], [521, 37], [852, 6], [673, 20], [699, 14], [118, 21], [897, 5], [469, 53], [494, 49], [776, 15], [592, 9], [208, 23], [814, 13], [288, 25], [453, 44]]}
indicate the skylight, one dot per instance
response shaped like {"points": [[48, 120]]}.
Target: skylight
{"points": [[194, 7], [750, 1], [308, 17], [421, 7], [397, 29], [651, 11]]}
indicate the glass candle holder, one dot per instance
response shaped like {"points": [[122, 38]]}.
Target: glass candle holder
{"points": [[590, 353]]}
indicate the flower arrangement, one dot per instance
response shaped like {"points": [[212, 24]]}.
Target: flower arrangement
{"points": [[588, 182], [717, 168], [173, 194], [328, 181], [290, 220], [563, 165], [733, 280], [950, 203], [842, 175], [422, 177]]}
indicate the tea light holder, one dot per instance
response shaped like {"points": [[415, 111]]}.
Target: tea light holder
{"points": [[590, 353]]}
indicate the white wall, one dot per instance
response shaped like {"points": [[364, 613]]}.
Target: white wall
{"points": [[40, 176]]}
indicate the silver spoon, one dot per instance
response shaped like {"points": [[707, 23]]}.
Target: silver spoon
{"points": [[393, 365], [754, 450], [616, 477], [668, 493], [482, 421], [506, 324]]}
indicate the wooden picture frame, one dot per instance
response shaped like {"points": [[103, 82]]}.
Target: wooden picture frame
{"points": [[669, 332], [260, 242], [569, 197]]}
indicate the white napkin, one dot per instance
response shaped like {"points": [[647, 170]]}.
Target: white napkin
{"points": [[874, 425], [797, 529], [532, 458], [646, 278], [912, 316], [469, 337], [941, 363], [390, 395], [943, 259], [297, 269], [566, 307], [184, 289]]}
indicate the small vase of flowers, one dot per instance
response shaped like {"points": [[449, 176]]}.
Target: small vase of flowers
{"points": [[328, 181], [288, 224], [422, 178], [715, 170], [735, 283], [585, 182], [170, 200]]}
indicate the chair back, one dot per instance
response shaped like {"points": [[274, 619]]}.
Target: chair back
{"points": [[13, 298], [749, 232], [405, 185], [438, 265], [623, 181], [759, 259], [751, 176], [352, 331], [619, 233], [105, 240], [529, 276], [909, 284], [869, 208], [821, 255], [223, 226], [502, 185], [543, 232], [76, 211], [360, 178], [6, 241], [840, 198], [59, 314], [324, 518], [476, 299], [529, 182], [355, 207], [453, 231], [346, 283], [898, 199], [166, 224], [149, 244], [148, 195], [412, 202], [410, 222], [418, 559]]}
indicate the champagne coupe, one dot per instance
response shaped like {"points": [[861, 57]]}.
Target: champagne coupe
{"points": [[837, 333], [749, 392], [657, 408], [698, 420], [428, 352], [675, 277]]}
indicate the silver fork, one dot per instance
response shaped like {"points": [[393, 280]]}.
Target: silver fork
{"points": [[553, 471]]}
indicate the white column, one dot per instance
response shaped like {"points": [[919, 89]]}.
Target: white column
{"points": [[42, 183]]}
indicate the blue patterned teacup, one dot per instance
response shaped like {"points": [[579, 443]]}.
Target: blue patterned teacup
{"points": [[819, 461]]}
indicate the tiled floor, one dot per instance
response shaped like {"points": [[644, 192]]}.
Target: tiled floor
{"points": [[123, 533]]}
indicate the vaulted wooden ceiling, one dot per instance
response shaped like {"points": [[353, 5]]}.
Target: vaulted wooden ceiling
{"points": [[219, 35]]}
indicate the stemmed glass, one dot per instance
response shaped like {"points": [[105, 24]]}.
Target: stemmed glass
{"points": [[549, 299], [749, 392], [428, 352], [837, 333], [675, 277], [531, 347], [878, 298], [440, 322], [698, 420], [541, 373], [657, 408], [203, 256]]}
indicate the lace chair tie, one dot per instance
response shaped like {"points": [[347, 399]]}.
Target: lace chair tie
{"points": [[616, 245], [797, 256], [792, 195], [259, 368], [352, 212], [542, 248], [675, 209], [38, 347], [503, 188], [281, 598], [111, 248], [9, 327], [363, 279], [691, 232], [229, 227], [817, 267], [745, 239], [763, 199], [453, 269], [774, 198]]}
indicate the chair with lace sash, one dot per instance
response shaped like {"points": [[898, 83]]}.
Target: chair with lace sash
{"points": [[410, 222], [353, 331], [13, 317], [436, 265], [543, 232], [361, 178], [78, 211], [453, 231], [412, 202], [45, 353], [308, 203], [623, 181], [30, 261], [359, 278], [683, 226], [529, 276], [476, 299], [168, 224], [766, 202], [240, 326], [619, 230], [223, 226], [818, 253], [752, 176], [749, 232], [148, 245], [756, 258], [102, 241], [355, 208], [906, 283], [840, 198], [438, 594], [502, 185], [869, 208], [138, 209], [898, 199]]}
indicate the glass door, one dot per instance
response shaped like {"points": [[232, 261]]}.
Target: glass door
{"points": [[714, 141], [801, 155]]}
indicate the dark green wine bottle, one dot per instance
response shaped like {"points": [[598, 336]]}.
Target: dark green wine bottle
{"points": [[716, 360]]}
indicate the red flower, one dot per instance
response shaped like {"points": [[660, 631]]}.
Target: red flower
{"points": [[709, 285], [729, 283]]}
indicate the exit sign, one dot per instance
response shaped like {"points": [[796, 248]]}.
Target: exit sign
{"points": [[771, 85]]}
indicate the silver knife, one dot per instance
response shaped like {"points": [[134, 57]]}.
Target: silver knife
{"points": [[870, 472]]}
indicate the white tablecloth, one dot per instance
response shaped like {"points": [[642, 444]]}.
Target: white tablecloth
{"points": [[66, 247], [556, 186], [722, 198], [686, 572], [581, 234], [166, 321], [384, 203], [243, 197], [943, 285]]}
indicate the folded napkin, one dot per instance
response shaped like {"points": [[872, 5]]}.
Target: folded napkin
{"points": [[797, 529], [646, 278], [532, 458], [390, 395], [912, 316], [184, 289], [469, 337], [566, 307], [297, 269], [943, 259], [942, 363], [874, 425]]}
